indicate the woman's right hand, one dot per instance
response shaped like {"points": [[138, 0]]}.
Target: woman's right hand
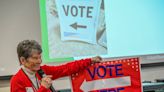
{"points": [[46, 81]]}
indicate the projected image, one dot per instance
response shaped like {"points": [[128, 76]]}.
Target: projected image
{"points": [[76, 28], [73, 29]]}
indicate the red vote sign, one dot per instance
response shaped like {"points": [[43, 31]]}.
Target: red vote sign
{"points": [[112, 76]]}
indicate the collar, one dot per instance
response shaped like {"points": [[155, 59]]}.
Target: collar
{"points": [[28, 71]]}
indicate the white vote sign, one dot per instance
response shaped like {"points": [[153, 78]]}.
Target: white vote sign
{"points": [[78, 19]]}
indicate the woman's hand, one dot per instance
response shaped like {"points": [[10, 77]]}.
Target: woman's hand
{"points": [[96, 59], [46, 81]]}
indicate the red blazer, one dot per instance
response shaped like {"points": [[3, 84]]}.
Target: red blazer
{"points": [[21, 83]]}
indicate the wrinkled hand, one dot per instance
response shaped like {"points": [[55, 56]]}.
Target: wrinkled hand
{"points": [[96, 59], [46, 81]]}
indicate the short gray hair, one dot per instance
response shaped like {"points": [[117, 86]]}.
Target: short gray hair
{"points": [[25, 48]]}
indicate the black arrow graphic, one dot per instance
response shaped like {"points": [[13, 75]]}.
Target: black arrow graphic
{"points": [[75, 26]]}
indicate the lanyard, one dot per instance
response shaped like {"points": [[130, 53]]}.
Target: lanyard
{"points": [[33, 86]]}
